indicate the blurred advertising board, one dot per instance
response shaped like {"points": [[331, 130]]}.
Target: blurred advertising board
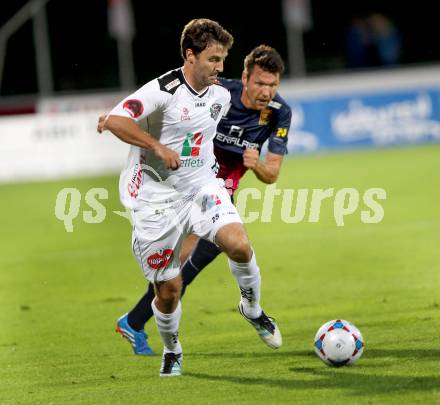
{"points": [[364, 111], [372, 109], [51, 146]]}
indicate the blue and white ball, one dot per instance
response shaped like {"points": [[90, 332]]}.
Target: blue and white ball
{"points": [[339, 343]]}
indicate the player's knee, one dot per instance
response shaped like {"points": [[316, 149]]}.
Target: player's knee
{"points": [[234, 242], [167, 303], [168, 295], [240, 251]]}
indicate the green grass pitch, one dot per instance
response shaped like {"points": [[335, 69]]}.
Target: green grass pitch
{"points": [[62, 292]]}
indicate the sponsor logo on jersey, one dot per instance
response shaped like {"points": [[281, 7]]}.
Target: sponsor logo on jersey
{"points": [[134, 108], [191, 144], [191, 149], [275, 104], [210, 201], [265, 116], [281, 132], [192, 162], [136, 179], [215, 110], [236, 131], [232, 140], [200, 104], [172, 84], [160, 259], [185, 114]]}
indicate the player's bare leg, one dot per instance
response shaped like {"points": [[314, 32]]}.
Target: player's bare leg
{"points": [[234, 242], [168, 294], [167, 312], [187, 248]]}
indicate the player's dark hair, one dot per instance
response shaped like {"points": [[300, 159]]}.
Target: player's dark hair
{"points": [[266, 57], [199, 33]]}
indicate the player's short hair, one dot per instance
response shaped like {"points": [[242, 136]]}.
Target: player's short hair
{"points": [[266, 57], [199, 33]]}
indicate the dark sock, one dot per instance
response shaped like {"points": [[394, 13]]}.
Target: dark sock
{"points": [[203, 254], [142, 312]]}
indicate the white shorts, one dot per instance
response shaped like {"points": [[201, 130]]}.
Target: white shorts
{"points": [[159, 230]]}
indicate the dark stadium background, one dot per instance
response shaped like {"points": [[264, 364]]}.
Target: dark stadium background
{"points": [[85, 57]]}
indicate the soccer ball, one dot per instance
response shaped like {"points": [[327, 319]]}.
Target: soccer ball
{"points": [[339, 343]]}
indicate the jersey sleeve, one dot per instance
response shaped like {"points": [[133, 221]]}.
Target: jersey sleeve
{"points": [[278, 138], [142, 102]]}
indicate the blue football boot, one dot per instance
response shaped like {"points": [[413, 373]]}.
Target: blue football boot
{"points": [[138, 340]]}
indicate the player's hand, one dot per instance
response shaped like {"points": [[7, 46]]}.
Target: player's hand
{"points": [[171, 158], [101, 124], [251, 158]]}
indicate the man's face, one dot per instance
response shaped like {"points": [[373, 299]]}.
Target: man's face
{"points": [[259, 88], [209, 63]]}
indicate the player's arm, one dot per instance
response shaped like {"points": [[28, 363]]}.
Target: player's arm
{"points": [[128, 131], [269, 170], [266, 171], [123, 121]]}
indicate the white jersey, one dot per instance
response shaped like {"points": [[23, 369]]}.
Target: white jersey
{"points": [[185, 121]]}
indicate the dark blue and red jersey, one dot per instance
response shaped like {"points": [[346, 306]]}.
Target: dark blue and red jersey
{"points": [[242, 128]]}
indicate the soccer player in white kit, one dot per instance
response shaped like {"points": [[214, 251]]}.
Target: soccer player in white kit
{"points": [[170, 183]]}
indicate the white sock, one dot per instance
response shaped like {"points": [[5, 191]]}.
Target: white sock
{"points": [[249, 281], [168, 326]]}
